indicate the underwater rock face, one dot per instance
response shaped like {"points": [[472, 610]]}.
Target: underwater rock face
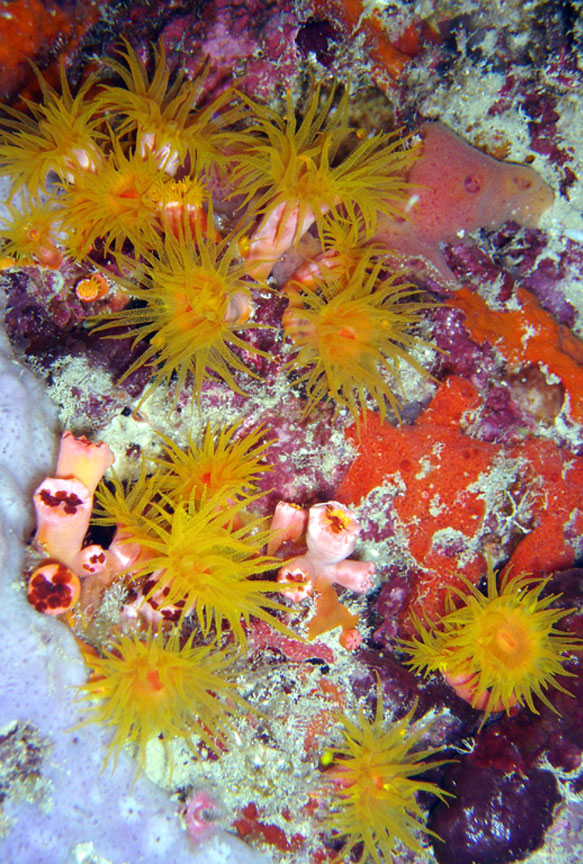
{"points": [[486, 463], [54, 796]]}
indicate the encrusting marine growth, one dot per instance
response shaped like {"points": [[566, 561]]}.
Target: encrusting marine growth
{"points": [[180, 208]]}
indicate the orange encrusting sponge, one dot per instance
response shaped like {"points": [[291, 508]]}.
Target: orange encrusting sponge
{"points": [[527, 335], [434, 466]]}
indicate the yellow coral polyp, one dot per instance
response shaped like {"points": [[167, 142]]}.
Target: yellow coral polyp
{"points": [[29, 235], [113, 206], [197, 557], [349, 327], [376, 780], [224, 463], [505, 642], [298, 165], [188, 292], [201, 554], [149, 686], [59, 135], [166, 117]]}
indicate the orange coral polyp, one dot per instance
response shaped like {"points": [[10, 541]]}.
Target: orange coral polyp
{"points": [[223, 462], [59, 134], [293, 168], [113, 205], [504, 644], [152, 686], [168, 122], [187, 291], [376, 776], [350, 327], [29, 235]]}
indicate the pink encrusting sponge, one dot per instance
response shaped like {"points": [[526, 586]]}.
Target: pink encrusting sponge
{"points": [[458, 190]]}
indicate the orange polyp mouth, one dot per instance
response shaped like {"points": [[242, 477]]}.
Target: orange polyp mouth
{"points": [[153, 679], [347, 333], [507, 641]]}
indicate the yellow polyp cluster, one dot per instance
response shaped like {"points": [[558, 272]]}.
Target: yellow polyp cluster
{"points": [[125, 176], [349, 325], [375, 776], [298, 165], [200, 549], [150, 686], [109, 151], [192, 552], [503, 644]]}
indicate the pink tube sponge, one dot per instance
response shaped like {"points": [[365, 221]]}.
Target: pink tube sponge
{"points": [[63, 504], [332, 532], [63, 509], [331, 535], [79, 458], [53, 588]]}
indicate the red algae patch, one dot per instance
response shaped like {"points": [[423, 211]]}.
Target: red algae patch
{"points": [[30, 28]]}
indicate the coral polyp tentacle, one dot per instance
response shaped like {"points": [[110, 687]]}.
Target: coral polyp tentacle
{"points": [[152, 685], [375, 771]]}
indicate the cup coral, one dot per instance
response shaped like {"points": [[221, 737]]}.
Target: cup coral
{"points": [[58, 134], [331, 533], [166, 117], [113, 206], [196, 558], [29, 233], [191, 312], [224, 462], [195, 553], [63, 503], [503, 645], [348, 327], [292, 174], [297, 163], [53, 588], [144, 687], [375, 775]]}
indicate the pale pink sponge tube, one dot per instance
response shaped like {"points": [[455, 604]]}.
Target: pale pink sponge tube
{"points": [[63, 509], [83, 460], [331, 535], [332, 532], [63, 504]]}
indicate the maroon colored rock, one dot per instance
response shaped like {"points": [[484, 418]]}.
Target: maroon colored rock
{"points": [[495, 817]]}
